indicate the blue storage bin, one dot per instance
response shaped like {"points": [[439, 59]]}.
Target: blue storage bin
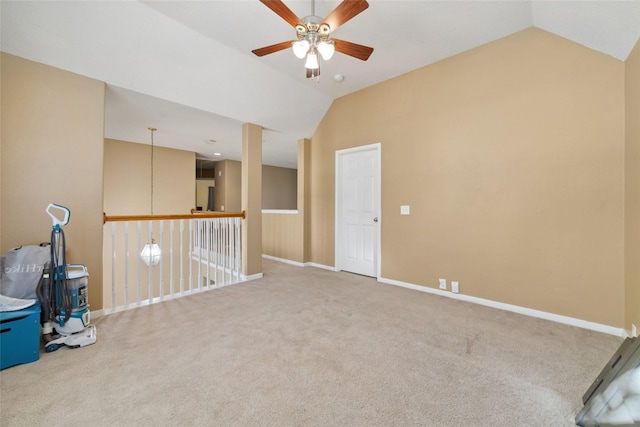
{"points": [[19, 336]]}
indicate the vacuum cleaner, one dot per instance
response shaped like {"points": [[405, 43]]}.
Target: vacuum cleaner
{"points": [[63, 293]]}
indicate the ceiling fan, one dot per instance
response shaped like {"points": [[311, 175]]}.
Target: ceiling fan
{"points": [[313, 34]]}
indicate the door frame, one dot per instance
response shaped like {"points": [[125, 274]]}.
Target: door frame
{"points": [[377, 147]]}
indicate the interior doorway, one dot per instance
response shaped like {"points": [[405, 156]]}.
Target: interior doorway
{"points": [[358, 219]]}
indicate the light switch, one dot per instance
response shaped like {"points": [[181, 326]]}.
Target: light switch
{"points": [[405, 210]]}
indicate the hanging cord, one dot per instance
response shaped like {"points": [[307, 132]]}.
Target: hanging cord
{"points": [[152, 131], [62, 300]]}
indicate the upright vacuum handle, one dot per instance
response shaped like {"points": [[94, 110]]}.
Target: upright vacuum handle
{"points": [[54, 218]]}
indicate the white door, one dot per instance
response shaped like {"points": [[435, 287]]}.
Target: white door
{"points": [[357, 209]]}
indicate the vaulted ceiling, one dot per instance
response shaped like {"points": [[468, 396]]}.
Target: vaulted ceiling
{"points": [[186, 67]]}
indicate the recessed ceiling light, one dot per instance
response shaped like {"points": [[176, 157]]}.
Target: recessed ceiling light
{"points": [[209, 141], [217, 154], [338, 77]]}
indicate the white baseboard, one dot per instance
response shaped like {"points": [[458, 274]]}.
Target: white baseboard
{"points": [[95, 314], [286, 261], [300, 264], [598, 327], [322, 266], [584, 324], [252, 277]]}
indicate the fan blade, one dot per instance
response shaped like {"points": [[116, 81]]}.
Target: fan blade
{"points": [[344, 12], [282, 11], [352, 49], [272, 49]]}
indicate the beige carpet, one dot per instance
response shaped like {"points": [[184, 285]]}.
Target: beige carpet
{"points": [[304, 346]]}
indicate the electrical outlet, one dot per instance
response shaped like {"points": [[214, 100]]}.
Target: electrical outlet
{"points": [[222, 208], [634, 331], [455, 287], [443, 283]]}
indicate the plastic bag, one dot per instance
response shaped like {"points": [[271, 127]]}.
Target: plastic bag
{"points": [[20, 270]]}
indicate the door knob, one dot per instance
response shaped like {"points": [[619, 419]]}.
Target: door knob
{"points": [[375, 219]]}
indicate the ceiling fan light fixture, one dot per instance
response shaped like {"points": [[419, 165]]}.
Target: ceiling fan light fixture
{"points": [[312, 60], [324, 29], [300, 48], [313, 34], [326, 49]]}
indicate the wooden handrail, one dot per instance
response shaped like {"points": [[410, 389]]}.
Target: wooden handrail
{"points": [[194, 214]]}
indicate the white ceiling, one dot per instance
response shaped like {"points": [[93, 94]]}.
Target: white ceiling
{"points": [[186, 67]]}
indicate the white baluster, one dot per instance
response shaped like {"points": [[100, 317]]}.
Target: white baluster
{"points": [[200, 236], [113, 265], [126, 264], [239, 250], [192, 222], [171, 231], [160, 265], [150, 268], [139, 282], [181, 256], [214, 243]]}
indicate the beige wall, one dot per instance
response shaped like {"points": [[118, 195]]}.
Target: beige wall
{"points": [[282, 236], [228, 178], [279, 188], [511, 157], [202, 192], [304, 194], [127, 179], [219, 190], [251, 193], [632, 189], [286, 235], [52, 150]]}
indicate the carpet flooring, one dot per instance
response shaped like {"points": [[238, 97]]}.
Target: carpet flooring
{"points": [[310, 347]]}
